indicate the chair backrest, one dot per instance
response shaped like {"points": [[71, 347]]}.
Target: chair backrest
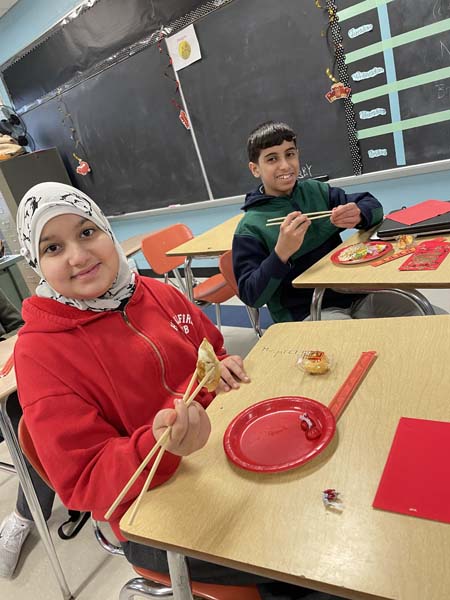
{"points": [[26, 443], [226, 268], [156, 244]]}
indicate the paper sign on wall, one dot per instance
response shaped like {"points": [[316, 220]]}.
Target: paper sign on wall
{"points": [[184, 48]]}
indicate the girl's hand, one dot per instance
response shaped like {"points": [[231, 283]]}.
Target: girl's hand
{"points": [[231, 373], [292, 233], [346, 216], [190, 427]]}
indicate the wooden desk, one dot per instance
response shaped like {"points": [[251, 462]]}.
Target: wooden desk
{"points": [[213, 242], [133, 244], [7, 386], [325, 274], [276, 524]]}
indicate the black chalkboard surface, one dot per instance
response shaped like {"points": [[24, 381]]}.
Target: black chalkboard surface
{"points": [[260, 60]]}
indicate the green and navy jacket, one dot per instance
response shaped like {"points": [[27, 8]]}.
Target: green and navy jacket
{"points": [[262, 277]]}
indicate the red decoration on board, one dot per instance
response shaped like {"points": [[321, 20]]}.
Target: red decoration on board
{"points": [[83, 166], [338, 91]]}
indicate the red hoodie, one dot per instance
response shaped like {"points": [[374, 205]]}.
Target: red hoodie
{"points": [[90, 384]]}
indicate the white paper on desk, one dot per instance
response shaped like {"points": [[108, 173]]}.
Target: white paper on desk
{"points": [[184, 48]]}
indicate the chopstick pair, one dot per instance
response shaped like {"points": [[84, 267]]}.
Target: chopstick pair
{"points": [[7, 367], [312, 217], [187, 399]]}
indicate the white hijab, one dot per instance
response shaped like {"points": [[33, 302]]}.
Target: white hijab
{"points": [[47, 200]]}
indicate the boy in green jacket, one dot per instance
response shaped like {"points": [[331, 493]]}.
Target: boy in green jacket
{"points": [[267, 259]]}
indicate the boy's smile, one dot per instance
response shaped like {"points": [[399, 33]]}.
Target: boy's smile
{"points": [[278, 167], [77, 258]]}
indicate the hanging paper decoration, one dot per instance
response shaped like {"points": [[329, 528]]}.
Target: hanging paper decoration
{"points": [[184, 48], [168, 72], [83, 167], [182, 114], [338, 89]]}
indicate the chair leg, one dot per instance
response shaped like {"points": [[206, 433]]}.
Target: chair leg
{"points": [[255, 319], [218, 317], [143, 588], [104, 542]]}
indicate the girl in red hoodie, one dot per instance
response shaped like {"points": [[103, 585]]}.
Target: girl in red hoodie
{"points": [[102, 363]]}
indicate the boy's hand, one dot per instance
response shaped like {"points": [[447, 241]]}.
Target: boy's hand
{"points": [[292, 234], [231, 372], [346, 216], [190, 427]]}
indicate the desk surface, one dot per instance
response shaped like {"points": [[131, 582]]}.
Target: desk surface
{"points": [[326, 274], [276, 524], [133, 244], [8, 383], [214, 242]]}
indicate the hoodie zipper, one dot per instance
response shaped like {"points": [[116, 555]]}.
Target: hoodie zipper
{"points": [[157, 352]]}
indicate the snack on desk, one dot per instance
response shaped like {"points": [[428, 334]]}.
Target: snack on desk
{"points": [[208, 361], [405, 241], [314, 362]]}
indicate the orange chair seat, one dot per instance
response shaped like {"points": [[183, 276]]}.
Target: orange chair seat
{"points": [[209, 591], [215, 290]]}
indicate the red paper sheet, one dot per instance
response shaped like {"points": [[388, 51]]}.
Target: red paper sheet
{"points": [[420, 212], [416, 477]]}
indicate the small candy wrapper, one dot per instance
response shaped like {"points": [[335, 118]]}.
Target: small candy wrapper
{"points": [[405, 241], [314, 362], [331, 499], [309, 426]]}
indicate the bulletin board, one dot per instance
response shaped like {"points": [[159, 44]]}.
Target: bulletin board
{"points": [[398, 62]]}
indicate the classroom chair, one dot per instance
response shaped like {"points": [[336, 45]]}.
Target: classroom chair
{"points": [[226, 268], [213, 290], [149, 584]]}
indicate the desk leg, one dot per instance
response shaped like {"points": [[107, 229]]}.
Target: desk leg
{"points": [[415, 297], [189, 278], [316, 304], [179, 576], [30, 495], [14, 282]]}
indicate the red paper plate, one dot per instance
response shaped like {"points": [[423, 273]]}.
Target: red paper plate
{"points": [[268, 436], [375, 253]]}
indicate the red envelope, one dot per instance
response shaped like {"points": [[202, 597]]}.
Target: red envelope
{"points": [[420, 212], [416, 477]]}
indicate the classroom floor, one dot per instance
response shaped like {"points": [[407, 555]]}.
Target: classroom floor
{"points": [[91, 573]]}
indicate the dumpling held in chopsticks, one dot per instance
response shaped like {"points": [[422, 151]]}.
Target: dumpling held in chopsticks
{"points": [[207, 361]]}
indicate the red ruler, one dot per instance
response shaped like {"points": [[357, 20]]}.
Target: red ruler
{"points": [[350, 385], [386, 259]]}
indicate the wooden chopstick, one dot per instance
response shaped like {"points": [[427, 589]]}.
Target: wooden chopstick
{"points": [[162, 440], [162, 450], [311, 214], [310, 218], [7, 367]]}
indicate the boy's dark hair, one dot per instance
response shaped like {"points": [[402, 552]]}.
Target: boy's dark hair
{"points": [[270, 133]]}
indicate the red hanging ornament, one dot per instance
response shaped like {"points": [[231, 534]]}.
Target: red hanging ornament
{"points": [[184, 119], [83, 166]]}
